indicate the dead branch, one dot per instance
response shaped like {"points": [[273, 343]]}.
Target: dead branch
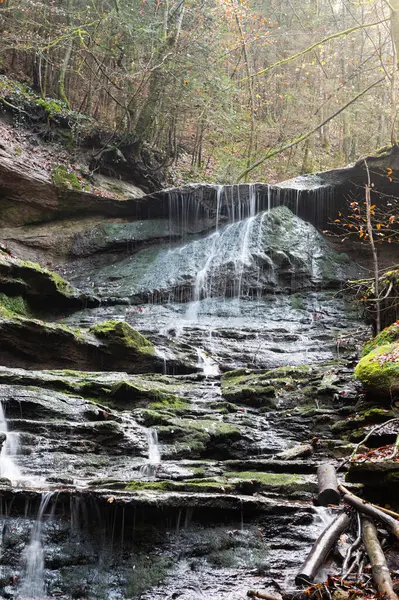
{"points": [[379, 568], [370, 510], [344, 491], [321, 549]]}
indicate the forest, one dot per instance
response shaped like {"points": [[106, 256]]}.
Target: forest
{"points": [[223, 90]]}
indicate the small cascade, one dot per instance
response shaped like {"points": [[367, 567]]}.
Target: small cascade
{"points": [[154, 455], [207, 364], [231, 252], [8, 468], [32, 587]]}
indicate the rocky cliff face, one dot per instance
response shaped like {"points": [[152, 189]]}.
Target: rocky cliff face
{"points": [[147, 415]]}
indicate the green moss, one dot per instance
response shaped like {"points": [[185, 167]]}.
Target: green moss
{"points": [[270, 479], [379, 369], [13, 305], [64, 179], [387, 336], [230, 482], [122, 334]]}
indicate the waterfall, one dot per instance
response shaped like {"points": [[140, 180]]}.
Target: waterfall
{"points": [[32, 587], [8, 468], [205, 362], [154, 455], [226, 255]]}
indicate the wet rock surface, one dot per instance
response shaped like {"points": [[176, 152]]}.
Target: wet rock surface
{"points": [[160, 436]]}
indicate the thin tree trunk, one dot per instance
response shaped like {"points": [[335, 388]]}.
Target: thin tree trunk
{"points": [[374, 252], [65, 63]]}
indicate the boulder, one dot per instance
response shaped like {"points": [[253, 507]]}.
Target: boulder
{"points": [[379, 369]]}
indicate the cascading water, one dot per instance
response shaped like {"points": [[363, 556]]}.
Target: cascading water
{"points": [[154, 455], [8, 468], [207, 364], [32, 587]]}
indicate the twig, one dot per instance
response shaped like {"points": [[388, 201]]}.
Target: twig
{"points": [[345, 570]]}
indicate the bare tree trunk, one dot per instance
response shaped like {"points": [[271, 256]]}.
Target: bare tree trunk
{"points": [[394, 5], [374, 252], [65, 63]]}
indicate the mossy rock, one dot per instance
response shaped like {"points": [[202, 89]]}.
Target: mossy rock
{"points": [[44, 290], [64, 179], [379, 369], [387, 336], [121, 333], [32, 343], [371, 416], [242, 483], [259, 389]]}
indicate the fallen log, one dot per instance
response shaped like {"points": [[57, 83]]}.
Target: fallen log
{"points": [[374, 512], [328, 485], [321, 549], [379, 567], [344, 490]]}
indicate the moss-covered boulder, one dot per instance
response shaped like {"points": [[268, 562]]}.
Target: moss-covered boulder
{"points": [[387, 336], [43, 290], [379, 369]]}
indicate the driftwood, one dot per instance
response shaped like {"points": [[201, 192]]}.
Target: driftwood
{"points": [[372, 511], [344, 490], [328, 485], [379, 568], [321, 549]]}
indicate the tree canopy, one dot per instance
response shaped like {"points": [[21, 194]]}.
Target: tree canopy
{"points": [[226, 89]]}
